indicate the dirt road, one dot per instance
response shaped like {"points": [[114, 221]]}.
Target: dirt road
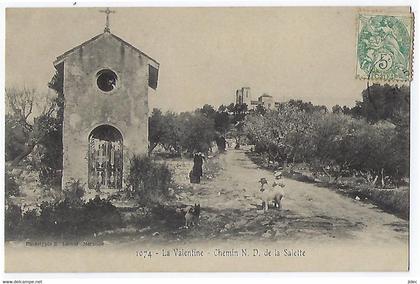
{"points": [[231, 210]]}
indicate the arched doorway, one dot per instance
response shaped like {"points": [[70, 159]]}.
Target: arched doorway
{"points": [[105, 158]]}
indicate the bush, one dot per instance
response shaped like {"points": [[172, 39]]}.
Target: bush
{"points": [[29, 225], [13, 218], [393, 201], [70, 218], [74, 191], [65, 218], [147, 180], [96, 215], [101, 215], [11, 186]]}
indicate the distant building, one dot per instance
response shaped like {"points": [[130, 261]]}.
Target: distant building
{"points": [[243, 96], [266, 101]]}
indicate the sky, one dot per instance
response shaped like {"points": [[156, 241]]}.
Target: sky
{"points": [[205, 54]]}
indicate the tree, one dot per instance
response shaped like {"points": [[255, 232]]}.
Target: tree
{"points": [[156, 129], [164, 130], [231, 108], [23, 124], [383, 102], [171, 137], [33, 123], [222, 122], [260, 109], [336, 144], [51, 146], [282, 133], [208, 111], [222, 108], [337, 109], [15, 137], [239, 113], [188, 131], [197, 132], [306, 106]]}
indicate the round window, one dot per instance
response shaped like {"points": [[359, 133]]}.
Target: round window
{"points": [[107, 80]]}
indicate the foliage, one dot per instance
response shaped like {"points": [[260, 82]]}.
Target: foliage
{"points": [[147, 180], [71, 218], [19, 130], [260, 109], [197, 132], [207, 110], [23, 123], [336, 144], [10, 186], [282, 133], [188, 131], [64, 218], [15, 138], [74, 190], [381, 102], [156, 129], [165, 130], [102, 213], [50, 152], [222, 122], [238, 111], [51, 144], [12, 220], [307, 107], [35, 124]]}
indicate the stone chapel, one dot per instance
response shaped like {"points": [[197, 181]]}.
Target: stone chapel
{"points": [[105, 86]]}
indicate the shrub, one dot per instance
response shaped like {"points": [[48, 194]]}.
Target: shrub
{"points": [[65, 218], [74, 191], [29, 225], [11, 186], [13, 218], [101, 214], [392, 201], [70, 218], [148, 180]]}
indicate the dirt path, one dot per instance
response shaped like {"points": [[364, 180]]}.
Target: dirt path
{"points": [[231, 210]]}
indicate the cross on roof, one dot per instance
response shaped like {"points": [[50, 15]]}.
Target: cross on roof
{"points": [[107, 12]]}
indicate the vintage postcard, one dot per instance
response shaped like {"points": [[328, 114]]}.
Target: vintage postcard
{"points": [[207, 139]]}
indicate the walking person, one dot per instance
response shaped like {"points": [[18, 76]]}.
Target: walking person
{"points": [[197, 170]]}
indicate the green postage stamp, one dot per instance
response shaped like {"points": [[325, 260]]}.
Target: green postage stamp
{"points": [[384, 47]]}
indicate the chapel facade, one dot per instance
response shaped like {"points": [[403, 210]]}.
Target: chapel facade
{"points": [[105, 84]]}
